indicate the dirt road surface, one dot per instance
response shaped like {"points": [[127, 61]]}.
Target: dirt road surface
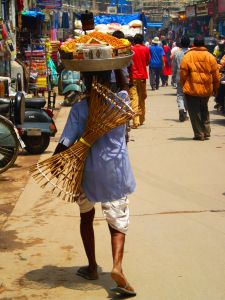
{"points": [[175, 246]]}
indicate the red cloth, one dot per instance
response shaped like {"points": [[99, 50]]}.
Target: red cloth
{"points": [[140, 59], [20, 4], [167, 69]]}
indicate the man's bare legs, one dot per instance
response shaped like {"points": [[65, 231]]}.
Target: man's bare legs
{"points": [[88, 238], [118, 241]]}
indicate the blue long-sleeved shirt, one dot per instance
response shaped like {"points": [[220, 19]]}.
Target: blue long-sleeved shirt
{"points": [[107, 173]]}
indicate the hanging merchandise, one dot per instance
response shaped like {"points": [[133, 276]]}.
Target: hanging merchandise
{"points": [[4, 31], [7, 49], [20, 5], [65, 20], [54, 25], [54, 74], [37, 67], [32, 21]]}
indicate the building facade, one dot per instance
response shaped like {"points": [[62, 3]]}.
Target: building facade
{"points": [[156, 10]]}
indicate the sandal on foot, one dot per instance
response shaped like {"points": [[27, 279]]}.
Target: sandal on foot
{"points": [[85, 273], [123, 291]]}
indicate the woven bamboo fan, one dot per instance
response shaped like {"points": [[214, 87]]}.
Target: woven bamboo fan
{"points": [[64, 170]]}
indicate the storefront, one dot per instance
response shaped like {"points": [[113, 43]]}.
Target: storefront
{"points": [[191, 20], [203, 19]]}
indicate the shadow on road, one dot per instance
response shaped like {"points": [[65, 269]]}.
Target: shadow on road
{"points": [[53, 277], [170, 94], [174, 120], [9, 241], [220, 122], [180, 139]]}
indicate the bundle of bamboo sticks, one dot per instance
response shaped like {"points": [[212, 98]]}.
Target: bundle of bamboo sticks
{"points": [[64, 170]]}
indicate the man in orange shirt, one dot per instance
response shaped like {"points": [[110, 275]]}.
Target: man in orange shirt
{"points": [[139, 73], [199, 76]]}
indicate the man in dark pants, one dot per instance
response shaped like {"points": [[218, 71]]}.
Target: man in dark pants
{"points": [[156, 63], [199, 116], [199, 76]]}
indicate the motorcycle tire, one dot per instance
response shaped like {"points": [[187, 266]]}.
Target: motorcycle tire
{"points": [[36, 144], [9, 144]]}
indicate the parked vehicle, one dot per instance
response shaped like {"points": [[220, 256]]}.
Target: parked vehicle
{"points": [[38, 124], [10, 140], [72, 86]]}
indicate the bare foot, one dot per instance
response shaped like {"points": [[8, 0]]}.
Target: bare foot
{"points": [[121, 280]]}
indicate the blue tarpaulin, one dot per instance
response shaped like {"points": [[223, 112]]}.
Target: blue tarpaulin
{"points": [[121, 19]]}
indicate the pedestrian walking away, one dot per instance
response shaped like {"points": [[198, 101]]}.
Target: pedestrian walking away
{"points": [[175, 48], [156, 63], [108, 179], [167, 65], [139, 74], [199, 76], [181, 102]]}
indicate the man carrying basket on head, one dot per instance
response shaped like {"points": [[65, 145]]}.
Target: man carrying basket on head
{"points": [[107, 178]]}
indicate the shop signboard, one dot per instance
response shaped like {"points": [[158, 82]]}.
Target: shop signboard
{"points": [[210, 8], [221, 6], [51, 4], [190, 11], [202, 9]]}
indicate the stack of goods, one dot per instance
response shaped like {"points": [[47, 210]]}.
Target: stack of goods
{"points": [[95, 45], [36, 64], [64, 170], [55, 48]]}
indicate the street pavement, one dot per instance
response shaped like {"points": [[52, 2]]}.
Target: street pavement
{"points": [[175, 246]]}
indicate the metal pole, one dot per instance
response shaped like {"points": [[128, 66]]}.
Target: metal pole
{"points": [[143, 19]]}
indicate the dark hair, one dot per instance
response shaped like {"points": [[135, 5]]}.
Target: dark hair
{"points": [[138, 38], [199, 41], [119, 34], [178, 43], [185, 41], [102, 76], [164, 42]]}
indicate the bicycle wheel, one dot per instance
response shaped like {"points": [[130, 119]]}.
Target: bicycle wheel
{"points": [[9, 144]]}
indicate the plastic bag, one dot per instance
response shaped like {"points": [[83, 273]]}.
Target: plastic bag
{"points": [[54, 74]]}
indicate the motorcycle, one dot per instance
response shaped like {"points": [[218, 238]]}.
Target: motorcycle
{"points": [[72, 87], [38, 124], [10, 140]]}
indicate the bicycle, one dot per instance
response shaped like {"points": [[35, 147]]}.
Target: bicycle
{"points": [[9, 144]]}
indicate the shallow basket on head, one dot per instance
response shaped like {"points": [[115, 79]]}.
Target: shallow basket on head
{"points": [[64, 170]]}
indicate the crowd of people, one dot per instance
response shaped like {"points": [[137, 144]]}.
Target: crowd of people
{"points": [[195, 73]]}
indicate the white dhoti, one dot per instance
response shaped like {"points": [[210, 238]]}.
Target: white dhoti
{"points": [[116, 212]]}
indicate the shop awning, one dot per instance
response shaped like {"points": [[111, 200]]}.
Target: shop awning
{"points": [[154, 25]]}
